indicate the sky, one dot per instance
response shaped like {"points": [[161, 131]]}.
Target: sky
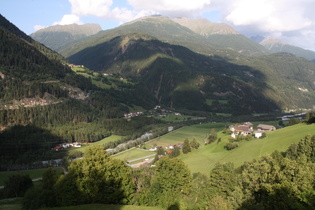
{"points": [[292, 21]]}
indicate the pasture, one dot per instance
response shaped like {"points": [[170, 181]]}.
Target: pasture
{"points": [[199, 132], [205, 158]]}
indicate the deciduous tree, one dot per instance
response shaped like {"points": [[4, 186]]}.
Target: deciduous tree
{"points": [[186, 147]]}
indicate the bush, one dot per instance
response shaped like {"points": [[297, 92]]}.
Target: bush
{"points": [[231, 145]]}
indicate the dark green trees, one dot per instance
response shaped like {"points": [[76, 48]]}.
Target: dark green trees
{"points": [[171, 181], [175, 152], [17, 185], [212, 136], [96, 178], [100, 179], [194, 144], [186, 147]]}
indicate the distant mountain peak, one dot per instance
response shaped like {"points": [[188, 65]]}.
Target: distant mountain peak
{"points": [[205, 27], [270, 41], [74, 29], [275, 45], [58, 37]]}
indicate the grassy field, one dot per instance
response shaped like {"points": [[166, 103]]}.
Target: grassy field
{"points": [[35, 173], [205, 158], [199, 132], [101, 142], [132, 154]]}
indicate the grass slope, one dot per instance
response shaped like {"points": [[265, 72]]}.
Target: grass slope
{"points": [[205, 158]]}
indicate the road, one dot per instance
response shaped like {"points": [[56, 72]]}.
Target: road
{"points": [[141, 163], [145, 157]]}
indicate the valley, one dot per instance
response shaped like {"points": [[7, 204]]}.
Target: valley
{"points": [[147, 108]]}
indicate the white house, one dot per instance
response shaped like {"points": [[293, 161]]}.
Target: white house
{"points": [[258, 134]]}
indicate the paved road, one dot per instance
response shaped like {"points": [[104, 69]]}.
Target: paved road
{"points": [[137, 165], [145, 157]]}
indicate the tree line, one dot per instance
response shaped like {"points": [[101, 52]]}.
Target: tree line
{"points": [[281, 180]]}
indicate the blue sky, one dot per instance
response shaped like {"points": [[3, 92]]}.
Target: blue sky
{"points": [[291, 21]]}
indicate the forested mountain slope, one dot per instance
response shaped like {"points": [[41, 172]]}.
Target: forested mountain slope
{"points": [[145, 48], [178, 77], [43, 102]]}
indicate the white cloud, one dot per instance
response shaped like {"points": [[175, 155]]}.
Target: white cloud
{"points": [[289, 20], [177, 7], [269, 15], [38, 27], [68, 19], [97, 8]]}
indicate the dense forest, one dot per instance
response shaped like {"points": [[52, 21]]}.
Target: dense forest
{"points": [[44, 103], [282, 180]]}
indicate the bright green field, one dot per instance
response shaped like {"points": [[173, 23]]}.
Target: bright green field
{"points": [[101, 142], [199, 132], [35, 173], [132, 154], [205, 158]]}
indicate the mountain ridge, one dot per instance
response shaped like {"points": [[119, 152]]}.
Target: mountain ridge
{"points": [[59, 37], [275, 45], [98, 54]]}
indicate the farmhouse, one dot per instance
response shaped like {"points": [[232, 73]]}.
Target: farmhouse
{"points": [[263, 127], [244, 129]]}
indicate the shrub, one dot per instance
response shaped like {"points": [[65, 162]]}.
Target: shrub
{"points": [[231, 145]]}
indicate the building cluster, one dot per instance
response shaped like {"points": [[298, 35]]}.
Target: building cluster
{"points": [[172, 146], [66, 145], [247, 128], [158, 111], [132, 114], [73, 65]]}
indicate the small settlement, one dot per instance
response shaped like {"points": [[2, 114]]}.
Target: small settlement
{"points": [[246, 129]]}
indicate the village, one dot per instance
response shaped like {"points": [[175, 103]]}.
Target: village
{"points": [[158, 111]]}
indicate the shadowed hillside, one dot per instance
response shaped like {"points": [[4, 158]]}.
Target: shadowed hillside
{"points": [[177, 76]]}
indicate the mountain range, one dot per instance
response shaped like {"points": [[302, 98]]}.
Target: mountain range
{"points": [[190, 64]]}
